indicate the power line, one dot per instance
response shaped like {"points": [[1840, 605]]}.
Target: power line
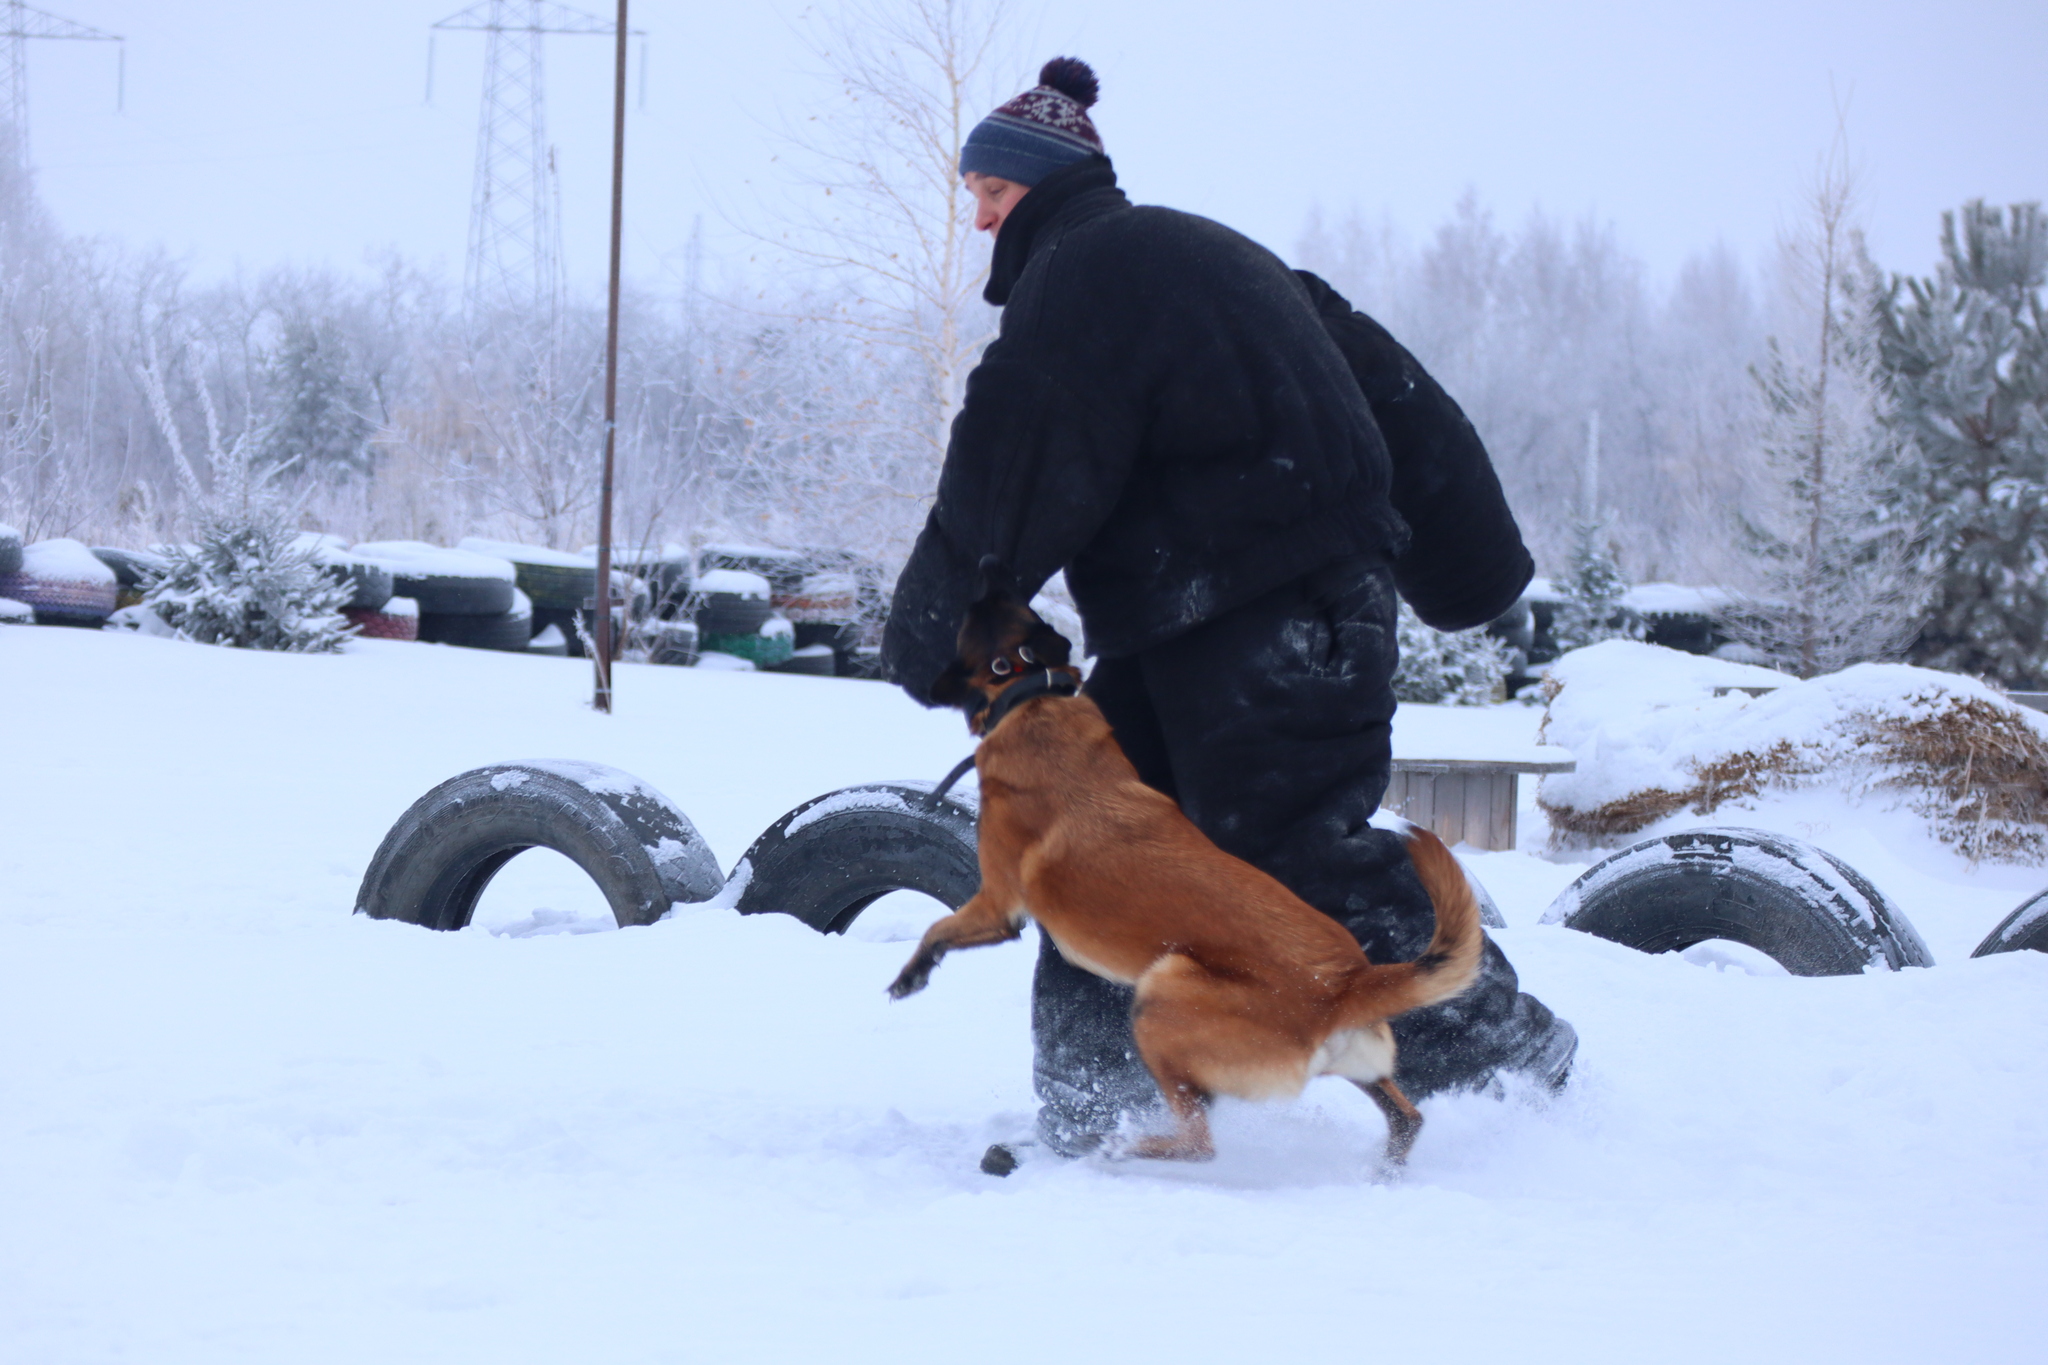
{"points": [[23, 23], [515, 226]]}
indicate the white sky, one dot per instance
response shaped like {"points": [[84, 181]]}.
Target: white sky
{"points": [[260, 133]]}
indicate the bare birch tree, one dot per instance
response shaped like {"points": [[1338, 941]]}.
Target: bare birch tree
{"points": [[884, 212], [1836, 582]]}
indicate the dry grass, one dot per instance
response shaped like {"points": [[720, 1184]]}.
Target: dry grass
{"points": [[1977, 771]]}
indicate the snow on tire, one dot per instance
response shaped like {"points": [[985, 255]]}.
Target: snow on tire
{"points": [[642, 852], [1799, 905], [65, 582], [835, 855], [444, 582], [2024, 928], [510, 631]]}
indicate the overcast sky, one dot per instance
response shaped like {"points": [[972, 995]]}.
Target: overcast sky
{"points": [[262, 133]]}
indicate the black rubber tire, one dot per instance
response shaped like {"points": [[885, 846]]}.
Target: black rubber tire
{"points": [[642, 852], [10, 550], [454, 594], [557, 587], [2024, 929], [672, 643], [511, 631], [132, 568], [1800, 905], [728, 613], [370, 585], [667, 582], [1489, 913], [871, 840], [822, 664]]}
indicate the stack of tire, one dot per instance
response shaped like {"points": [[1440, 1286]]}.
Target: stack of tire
{"points": [[61, 581], [666, 573], [463, 598], [372, 606], [825, 609], [734, 617], [13, 611], [835, 598], [560, 584]]}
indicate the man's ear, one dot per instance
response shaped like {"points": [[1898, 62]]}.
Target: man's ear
{"points": [[1048, 646], [951, 687]]}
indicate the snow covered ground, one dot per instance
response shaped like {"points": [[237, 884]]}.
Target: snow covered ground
{"points": [[238, 1123]]}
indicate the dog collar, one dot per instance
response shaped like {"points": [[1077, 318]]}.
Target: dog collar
{"points": [[1050, 682]]}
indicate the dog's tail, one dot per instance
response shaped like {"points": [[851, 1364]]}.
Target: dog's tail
{"points": [[1451, 962]]}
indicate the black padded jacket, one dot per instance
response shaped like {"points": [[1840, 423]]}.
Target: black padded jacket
{"points": [[1166, 415]]}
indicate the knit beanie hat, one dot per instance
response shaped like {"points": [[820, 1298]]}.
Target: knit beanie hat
{"points": [[1041, 130]]}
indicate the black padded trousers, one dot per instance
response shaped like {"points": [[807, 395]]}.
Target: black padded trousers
{"points": [[1271, 726]]}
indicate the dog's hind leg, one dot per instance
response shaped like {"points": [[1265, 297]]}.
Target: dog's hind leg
{"points": [[1404, 1120]]}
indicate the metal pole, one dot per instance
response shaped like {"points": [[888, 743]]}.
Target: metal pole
{"points": [[603, 700]]}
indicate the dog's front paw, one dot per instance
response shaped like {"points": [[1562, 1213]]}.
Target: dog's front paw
{"points": [[915, 976]]}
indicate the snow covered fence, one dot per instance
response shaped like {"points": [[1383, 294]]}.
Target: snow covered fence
{"points": [[1653, 739]]}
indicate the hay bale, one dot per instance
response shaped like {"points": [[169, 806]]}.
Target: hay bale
{"points": [[1653, 740]]}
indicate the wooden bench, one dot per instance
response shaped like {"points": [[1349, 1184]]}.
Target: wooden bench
{"points": [[1464, 800]]}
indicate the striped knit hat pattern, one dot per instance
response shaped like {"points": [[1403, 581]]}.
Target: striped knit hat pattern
{"points": [[1041, 130]]}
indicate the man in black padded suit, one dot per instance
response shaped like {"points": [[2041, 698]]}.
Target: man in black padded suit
{"points": [[1238, 473]]}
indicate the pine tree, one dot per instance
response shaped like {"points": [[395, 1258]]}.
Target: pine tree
{"points": [[1836, 577], [319, 408], [1966, 354], [1592, 609], [1465, 668], [245, 581]]}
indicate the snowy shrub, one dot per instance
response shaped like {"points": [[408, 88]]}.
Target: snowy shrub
{"points": [[1466, 668], [247, 582], [1591, 610], [1652, 740]]}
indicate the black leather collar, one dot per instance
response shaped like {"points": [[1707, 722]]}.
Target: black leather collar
{"points": [[1049, 683]]}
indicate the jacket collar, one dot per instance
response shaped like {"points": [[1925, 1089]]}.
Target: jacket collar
{"points": [[1070, 194]]}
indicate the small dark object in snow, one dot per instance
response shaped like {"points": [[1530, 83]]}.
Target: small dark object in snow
{"points": [[999, 1160]]}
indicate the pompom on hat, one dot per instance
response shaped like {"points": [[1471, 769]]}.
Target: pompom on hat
{"points": [[1041, 130]]}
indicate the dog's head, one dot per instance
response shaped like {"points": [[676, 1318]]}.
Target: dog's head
{"points": [[1001, 641]]}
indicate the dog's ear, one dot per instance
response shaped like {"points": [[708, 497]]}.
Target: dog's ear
{"points": [[951, 689], [1048, 646]]}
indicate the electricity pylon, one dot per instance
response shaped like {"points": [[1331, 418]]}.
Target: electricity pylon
{"points": [[22, 24], [515, 222]]}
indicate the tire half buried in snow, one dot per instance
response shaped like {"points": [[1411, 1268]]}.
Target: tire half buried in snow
{"points": [[835, 855], [2024, 928], [1801, 906], [642, 852]]}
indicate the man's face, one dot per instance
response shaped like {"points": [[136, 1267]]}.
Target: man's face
{"points": [[994, 197]]}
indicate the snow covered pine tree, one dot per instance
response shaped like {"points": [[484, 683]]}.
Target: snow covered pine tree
{"points": [[1448, 668], [245, 581], [1591, 610], [1967, 359]]}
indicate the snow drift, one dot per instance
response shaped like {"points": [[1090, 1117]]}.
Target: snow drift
{"points": [[1653, 739]]}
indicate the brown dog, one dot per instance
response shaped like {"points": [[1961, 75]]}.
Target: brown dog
{"points": [[1242, 988]]}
